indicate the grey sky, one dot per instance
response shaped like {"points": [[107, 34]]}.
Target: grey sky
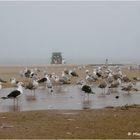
{"points": [[85, 31]]}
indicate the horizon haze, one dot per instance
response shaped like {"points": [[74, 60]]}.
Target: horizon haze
{"points": [[85, 32]]}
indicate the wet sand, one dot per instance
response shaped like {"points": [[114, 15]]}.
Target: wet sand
{"points": [[72, 124], [69, 124]]}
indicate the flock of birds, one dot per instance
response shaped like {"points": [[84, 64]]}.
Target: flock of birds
{"points": [[102, 76]]}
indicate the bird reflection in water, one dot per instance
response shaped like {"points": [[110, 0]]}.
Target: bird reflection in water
{"points": [[13, 108], [31, 98], [86, 104]]}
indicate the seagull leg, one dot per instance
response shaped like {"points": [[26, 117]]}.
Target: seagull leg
{"points": [[34, 92], [17, 104], [88, 96], [14, 105], [109, 91], [84, 97], [104, 90], [14, 101], [17, 101]]}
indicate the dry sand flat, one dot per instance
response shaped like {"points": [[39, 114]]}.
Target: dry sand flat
{"points": [[69, 124]]}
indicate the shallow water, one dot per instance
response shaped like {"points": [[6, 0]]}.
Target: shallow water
{"points": [[66, 97]]}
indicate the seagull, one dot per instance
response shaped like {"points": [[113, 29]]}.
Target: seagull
{"points": [[125, 79], [13, 81], [115, 84], [128, 87], [86, 88], [32, 86], [90, 78], [49, 85], [103, 85], [43, 80], [15, 93], [27, 73], [66, 71], [99, 73], [73, 73], [87, 71]]}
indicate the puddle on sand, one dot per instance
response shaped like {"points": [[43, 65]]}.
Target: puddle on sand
{"points": [[66, 97]]}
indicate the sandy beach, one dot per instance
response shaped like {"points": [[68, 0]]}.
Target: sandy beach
{"points": [[69, 69], [118, 123], [7, 72], [121, 122]]}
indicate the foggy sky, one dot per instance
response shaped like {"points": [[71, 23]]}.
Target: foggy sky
{"points": [[82, 31]]}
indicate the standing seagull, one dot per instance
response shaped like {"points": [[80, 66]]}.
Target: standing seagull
{"points": [[49, 84], [14, 94], [32, 86], [86, 88], [115, 84], [128, 87], [103, 85]]}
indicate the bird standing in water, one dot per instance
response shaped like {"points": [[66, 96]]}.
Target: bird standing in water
{"points": [[86, 88], [15, 93]]}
